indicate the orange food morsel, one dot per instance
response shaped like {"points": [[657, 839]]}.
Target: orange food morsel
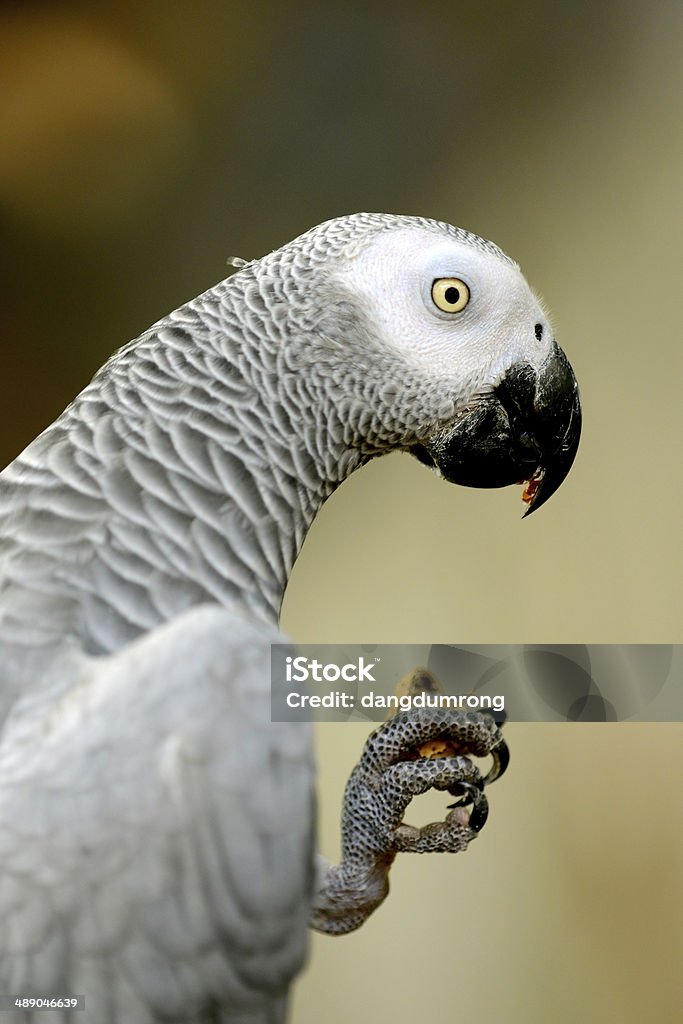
{"points": [[530, 489], [439, 747]]}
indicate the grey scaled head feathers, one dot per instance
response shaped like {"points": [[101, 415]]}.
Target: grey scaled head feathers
{"points": [[431, 340]]}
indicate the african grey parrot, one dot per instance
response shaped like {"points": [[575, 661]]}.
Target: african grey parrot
{"points": [[156, 828]]}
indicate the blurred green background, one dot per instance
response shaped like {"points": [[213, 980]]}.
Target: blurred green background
{"points": [[143, 145]]}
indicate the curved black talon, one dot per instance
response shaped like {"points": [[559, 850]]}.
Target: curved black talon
{"points": [[500, 753], [457, 790], [480, 805], [501, 759], [465, 791]]}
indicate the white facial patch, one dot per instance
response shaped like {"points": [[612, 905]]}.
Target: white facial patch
{"points": [[394, 274]]}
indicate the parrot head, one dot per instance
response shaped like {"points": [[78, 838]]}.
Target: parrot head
{"points": [[493, 399]]}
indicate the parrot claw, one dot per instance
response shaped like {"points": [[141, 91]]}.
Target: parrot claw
{"points": [[392, 770]]}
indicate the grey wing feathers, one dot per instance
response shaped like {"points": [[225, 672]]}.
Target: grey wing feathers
{"points": [[156, 832]]}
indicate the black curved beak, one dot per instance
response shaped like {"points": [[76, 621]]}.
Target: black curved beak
{"points": [[526, 429]]}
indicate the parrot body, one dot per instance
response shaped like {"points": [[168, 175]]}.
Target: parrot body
{"points": [[156, 828]]}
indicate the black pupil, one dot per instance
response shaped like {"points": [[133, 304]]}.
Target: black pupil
{"points": [[451, 295], [538, 330]]}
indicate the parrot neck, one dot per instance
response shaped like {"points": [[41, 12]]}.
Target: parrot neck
{"points": [[226, 498], [178, 477], [188, 471]]}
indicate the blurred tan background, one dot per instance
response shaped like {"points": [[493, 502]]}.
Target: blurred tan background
{"points": [[142, 145]]}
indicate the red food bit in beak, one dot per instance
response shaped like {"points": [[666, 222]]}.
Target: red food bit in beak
{"points": [[530, 489]]}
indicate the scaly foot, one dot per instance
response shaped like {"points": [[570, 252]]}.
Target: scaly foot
{"points": [[390, 773]]}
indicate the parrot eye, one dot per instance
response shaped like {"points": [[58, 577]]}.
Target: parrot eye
{"points": [[450, 294]]}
